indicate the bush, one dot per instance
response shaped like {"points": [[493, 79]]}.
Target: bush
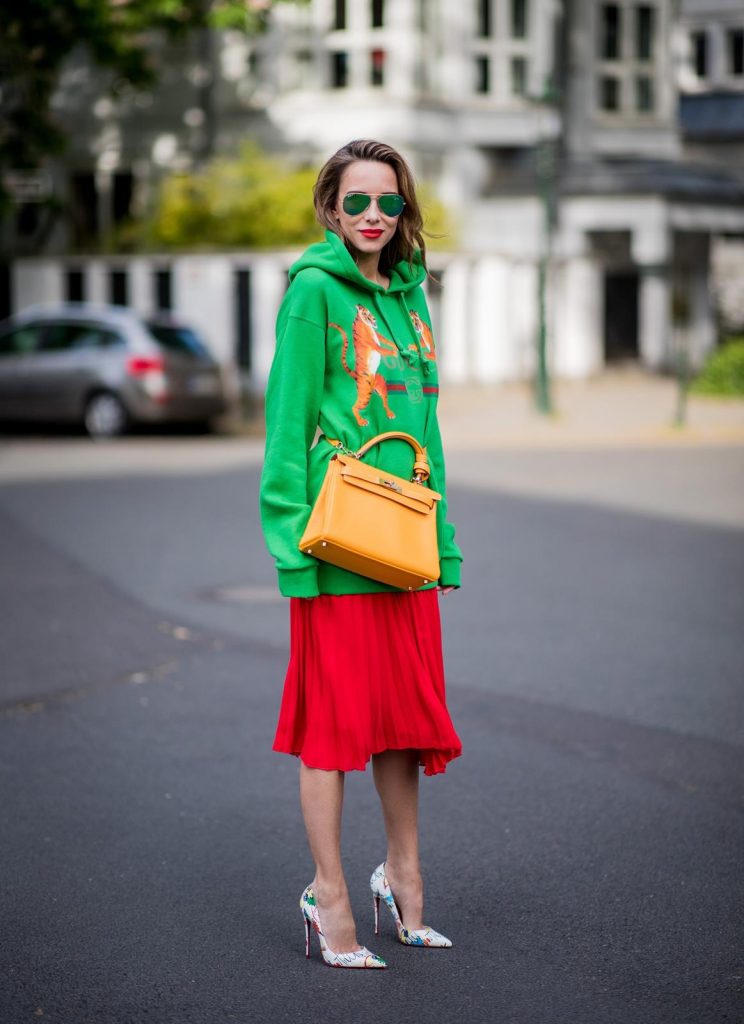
{"points": [[723, 373], [253, 201]]}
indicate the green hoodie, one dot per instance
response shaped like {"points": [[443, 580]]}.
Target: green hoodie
{"points": [[353, 359]]}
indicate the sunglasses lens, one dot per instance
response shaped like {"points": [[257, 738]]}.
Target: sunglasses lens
{"points": [[391, 205], [355, 203]]}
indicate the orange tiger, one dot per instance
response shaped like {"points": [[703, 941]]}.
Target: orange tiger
{"points": [[424, 332], [369, 347]]}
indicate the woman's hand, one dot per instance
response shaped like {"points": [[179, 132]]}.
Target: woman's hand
{"points": [[446, 590]]}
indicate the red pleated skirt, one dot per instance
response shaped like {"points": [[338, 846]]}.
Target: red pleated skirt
{"points": [[365, 675]]}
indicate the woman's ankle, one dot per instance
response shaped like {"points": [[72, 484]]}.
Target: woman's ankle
{"points": [[405, 871], [330, 889]]}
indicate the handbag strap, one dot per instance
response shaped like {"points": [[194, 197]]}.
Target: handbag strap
{"points": [[421, 469]]}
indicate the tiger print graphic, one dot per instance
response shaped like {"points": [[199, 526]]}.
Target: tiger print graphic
{"points": [[425, 336], [369, 348]]}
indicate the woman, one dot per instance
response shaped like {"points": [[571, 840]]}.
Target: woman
{"points": [[354, 358]]}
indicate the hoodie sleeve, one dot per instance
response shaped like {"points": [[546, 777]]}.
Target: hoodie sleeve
{"points": [[450, 555], [293, 398]]}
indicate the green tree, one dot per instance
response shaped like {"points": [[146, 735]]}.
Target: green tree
{"points": [[38, 36], [723, 373], [252, 201]]}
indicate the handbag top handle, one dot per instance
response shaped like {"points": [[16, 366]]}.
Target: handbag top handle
{"points": [[421, 469]]}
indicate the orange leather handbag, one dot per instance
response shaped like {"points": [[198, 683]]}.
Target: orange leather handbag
{"points": [[373, 523]]}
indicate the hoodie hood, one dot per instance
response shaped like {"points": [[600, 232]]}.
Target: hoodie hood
{"points": [[333, 257]]}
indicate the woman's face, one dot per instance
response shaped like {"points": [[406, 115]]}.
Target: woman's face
{"points": [[371, 230]]}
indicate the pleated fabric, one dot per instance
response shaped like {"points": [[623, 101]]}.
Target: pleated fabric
{"points": [[365, 675]]}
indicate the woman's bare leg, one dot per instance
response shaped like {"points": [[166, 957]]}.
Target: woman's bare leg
{"points": [[396, 775], [322, 798]]}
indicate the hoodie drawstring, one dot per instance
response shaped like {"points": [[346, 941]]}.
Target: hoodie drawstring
{"points": [[405, 353]]}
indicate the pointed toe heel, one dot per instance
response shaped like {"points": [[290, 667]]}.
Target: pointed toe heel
{"points": [[419, 937], [358, 958]]}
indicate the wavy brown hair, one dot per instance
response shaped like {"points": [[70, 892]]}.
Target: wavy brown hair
{"points": [[408, 238]]}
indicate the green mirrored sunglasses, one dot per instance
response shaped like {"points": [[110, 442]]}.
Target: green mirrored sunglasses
{"points": [[389, 203]]}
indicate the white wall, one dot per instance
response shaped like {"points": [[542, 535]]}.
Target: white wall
{"points": [[35, 281], [487, 321]]}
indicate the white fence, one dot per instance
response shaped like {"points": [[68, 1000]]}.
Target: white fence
{"points": [[484, 308]]}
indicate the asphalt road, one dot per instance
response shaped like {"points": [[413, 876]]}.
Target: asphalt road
{"points": [[584, 854]]}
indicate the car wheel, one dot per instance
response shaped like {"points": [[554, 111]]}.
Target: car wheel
{"points": [[105, 416]]}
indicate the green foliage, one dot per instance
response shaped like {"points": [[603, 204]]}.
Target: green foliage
{"points": [[723, 373], [440, 232], [254, 201], [37, 36]]}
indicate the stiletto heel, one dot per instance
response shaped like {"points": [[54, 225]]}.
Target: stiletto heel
{"points": [[359, 958], [421, 936], [376, 902]]}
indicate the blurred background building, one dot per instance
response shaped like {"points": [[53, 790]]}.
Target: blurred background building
{"points": [[601, 143]]}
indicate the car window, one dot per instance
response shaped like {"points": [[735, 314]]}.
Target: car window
{"points": [[20, 341], [178, 339], [65, 337]]}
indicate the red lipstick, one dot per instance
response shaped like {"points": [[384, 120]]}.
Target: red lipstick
{"points": [[372, 233]]}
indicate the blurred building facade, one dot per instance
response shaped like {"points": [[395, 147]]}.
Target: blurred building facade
{"points": [[605, 139]]}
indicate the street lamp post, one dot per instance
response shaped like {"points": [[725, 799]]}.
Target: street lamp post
{"points": [[545, 166]]}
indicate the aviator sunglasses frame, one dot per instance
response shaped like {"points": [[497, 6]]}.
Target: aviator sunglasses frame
{"points": [[354, 210]]}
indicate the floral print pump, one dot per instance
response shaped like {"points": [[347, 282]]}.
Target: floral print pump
{"points": [[359, 958], [420, 937]]}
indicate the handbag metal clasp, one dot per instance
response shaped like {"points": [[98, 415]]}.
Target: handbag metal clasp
{"points": [[391, 484]]}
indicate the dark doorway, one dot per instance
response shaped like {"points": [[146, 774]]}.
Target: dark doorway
{"points": [[6, 291], [84, 209], [243, 319], [163, 288], [620, 316], [75, 284], [118, 287]]}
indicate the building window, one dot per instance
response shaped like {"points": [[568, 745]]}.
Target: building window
{"points": [[378, 13], [519, 14], [339, 70], [84, 208], [482, 74], [163, 289], [735, 37], [122, 192], [118, 287], [609, 93], [75, 284], [244, 340], [644, 86], [6, 296], [254, 66], [339, 14], [645, 29], [519, 76], [700, 53], [610, 30], [484, 18], [377, 67]]}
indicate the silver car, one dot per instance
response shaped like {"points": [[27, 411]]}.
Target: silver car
{"points": [[105, 367]]}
